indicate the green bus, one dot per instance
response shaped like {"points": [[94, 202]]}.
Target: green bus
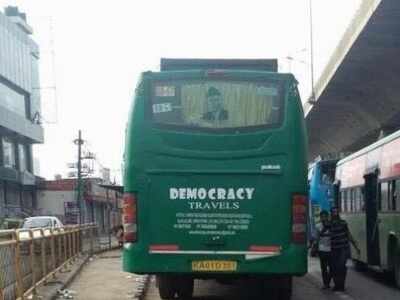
{"points": [[368, 194], [215, 178]]}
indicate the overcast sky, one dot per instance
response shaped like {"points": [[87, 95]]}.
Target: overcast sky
{"points": [[101, 47]]}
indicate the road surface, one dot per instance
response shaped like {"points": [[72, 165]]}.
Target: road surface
{"points": [[103, 278], [360, 286]]}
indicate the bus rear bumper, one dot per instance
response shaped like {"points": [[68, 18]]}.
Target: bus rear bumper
{"points": [[289, 261]]}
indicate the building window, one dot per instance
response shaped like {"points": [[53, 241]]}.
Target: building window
{"points": [[8, 153], [12, 100], [23, 157]]}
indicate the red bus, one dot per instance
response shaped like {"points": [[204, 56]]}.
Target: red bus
{"points": [[368, 185]]}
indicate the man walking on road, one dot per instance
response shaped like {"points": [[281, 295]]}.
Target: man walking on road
{"points": [[340, 249], [323, 243]]}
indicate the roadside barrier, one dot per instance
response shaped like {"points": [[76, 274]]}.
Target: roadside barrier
{"points": [[32, 257]]}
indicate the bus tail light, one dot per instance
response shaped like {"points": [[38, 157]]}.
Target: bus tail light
{"points": [[299, 219], [129, 217]]}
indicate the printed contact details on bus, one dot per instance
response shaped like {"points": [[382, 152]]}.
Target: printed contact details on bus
{"points": [[213, 223]]}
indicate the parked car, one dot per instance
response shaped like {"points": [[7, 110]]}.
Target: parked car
{"points": [[42, 222], [36, 223]]}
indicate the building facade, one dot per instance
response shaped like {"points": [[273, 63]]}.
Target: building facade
{"points": [[100, 204], [20, 112]]}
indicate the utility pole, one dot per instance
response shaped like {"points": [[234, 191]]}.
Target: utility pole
{"points": [[312, 56], [79, 142]]}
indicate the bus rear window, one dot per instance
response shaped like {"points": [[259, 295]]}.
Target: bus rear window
{"points": [[217, 104]]}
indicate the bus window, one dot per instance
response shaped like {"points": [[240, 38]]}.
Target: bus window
{"points": [[349, 200], [363, 199], [396, 195], [346, 200], [358, 200], [353, 200], [389, 195], [328, 173], [392, 195], [217, 104], [384, 196], [379, 196], [342, 201]]}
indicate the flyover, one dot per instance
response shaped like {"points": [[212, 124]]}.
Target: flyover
{"points": [[357, 97]]}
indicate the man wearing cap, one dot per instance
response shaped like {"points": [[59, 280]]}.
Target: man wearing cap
{"points": [[215, 109]]}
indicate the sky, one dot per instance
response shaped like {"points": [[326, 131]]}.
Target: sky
{"points": [[92, 52]]}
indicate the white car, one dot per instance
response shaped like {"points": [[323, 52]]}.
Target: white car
{"points": [[36, 223], [42, 222]]}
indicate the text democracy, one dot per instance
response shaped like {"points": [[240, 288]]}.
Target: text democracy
{"points": [[242, 193]]}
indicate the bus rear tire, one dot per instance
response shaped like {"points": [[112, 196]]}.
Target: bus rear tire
{"points": [[166, 286], [280, 289], [285, 288], [396, 268], [184, 288]]}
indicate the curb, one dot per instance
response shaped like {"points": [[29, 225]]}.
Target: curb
{"points": [[54, 293]]}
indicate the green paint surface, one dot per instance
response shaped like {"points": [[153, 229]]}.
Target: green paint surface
{"points": [[159, 159]]}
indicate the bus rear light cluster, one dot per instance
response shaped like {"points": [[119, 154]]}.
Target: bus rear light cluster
{"points": [[165, 248], [299, 219], [270, 249], [129, 217]]}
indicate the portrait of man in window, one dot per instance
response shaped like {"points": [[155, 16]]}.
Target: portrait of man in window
{"points": [[215, 108]]}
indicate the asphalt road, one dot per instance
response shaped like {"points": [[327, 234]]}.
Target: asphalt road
{"points": [[360, 286], [103, 278]]}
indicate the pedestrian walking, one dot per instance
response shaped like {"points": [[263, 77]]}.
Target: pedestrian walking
{"points": [[120, 235], [340, 249], [323, 244]]}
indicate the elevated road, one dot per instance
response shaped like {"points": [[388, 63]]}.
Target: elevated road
{"points": [[358, 94]]}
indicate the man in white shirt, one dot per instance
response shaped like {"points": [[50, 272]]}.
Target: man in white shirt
{"points": [[324, 248]]}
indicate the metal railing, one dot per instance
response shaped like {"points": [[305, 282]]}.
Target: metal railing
{"points": [[32, 257]]}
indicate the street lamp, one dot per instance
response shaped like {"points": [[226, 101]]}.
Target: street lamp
{"points": [[312, 99]]}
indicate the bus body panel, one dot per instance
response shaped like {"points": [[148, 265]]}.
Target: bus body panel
{"points": [[380, 160], [388, 229], [250, 177]]}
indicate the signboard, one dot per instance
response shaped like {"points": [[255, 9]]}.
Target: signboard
{"points": [[71, 212], [213, 211]]}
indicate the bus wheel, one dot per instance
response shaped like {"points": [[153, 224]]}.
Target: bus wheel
{"points": [[280, 289], [397, 268], [184, 288], [285, 288], [166, 286]]}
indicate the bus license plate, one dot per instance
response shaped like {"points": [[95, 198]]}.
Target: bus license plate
{"points": [[214, 265]]}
